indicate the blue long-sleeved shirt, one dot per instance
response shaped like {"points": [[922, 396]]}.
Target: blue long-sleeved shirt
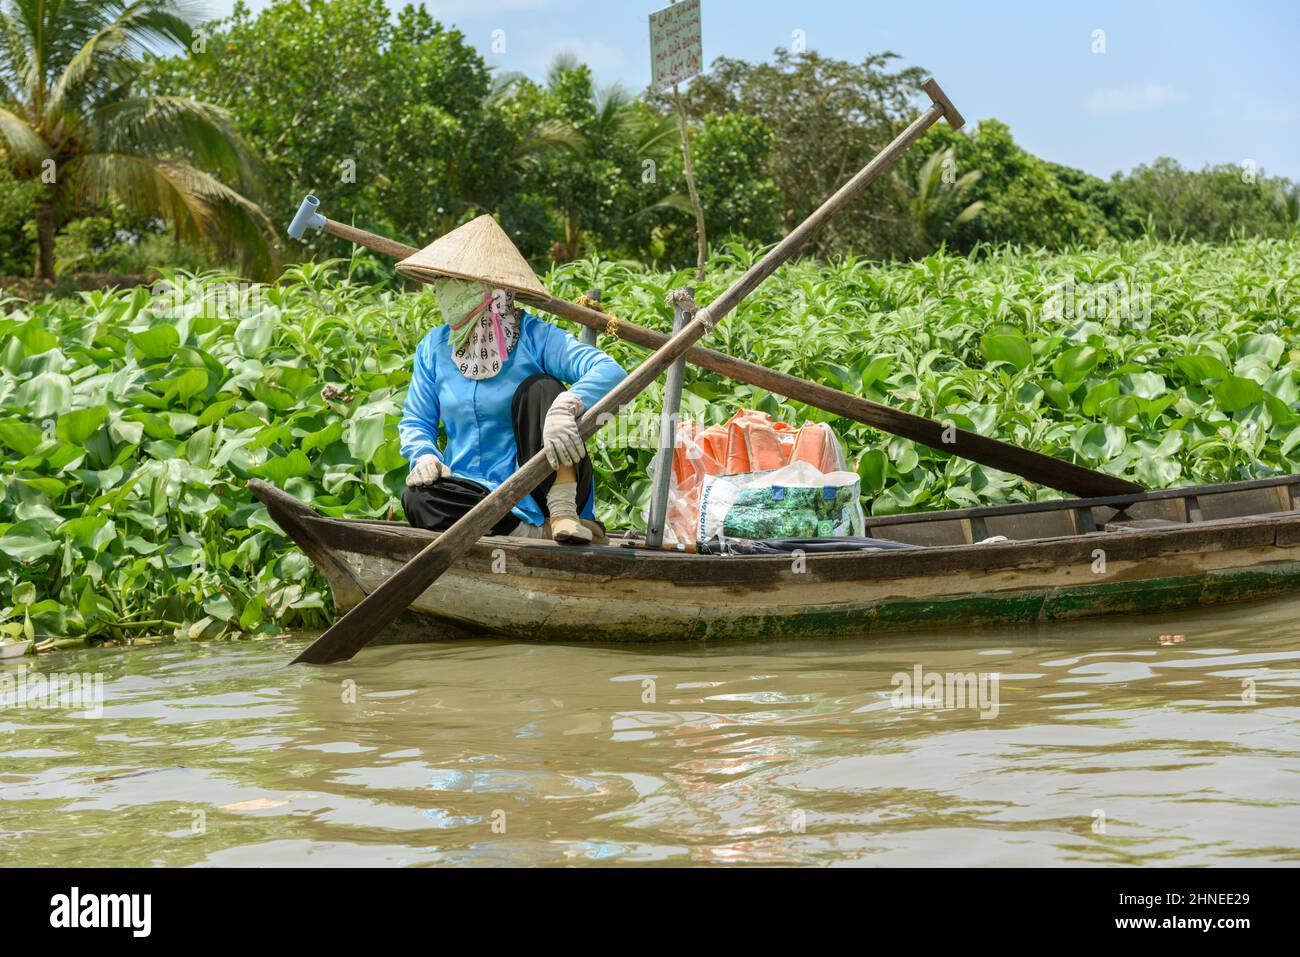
{"points": [[476, 413]]}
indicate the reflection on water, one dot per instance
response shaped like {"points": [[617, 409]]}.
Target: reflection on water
{"points": [[1105, 747]]}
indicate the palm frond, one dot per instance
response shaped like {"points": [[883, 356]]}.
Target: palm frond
{"points": [[199, 207], [564, 62], [129, 31], [25, 148], [203, 132]]}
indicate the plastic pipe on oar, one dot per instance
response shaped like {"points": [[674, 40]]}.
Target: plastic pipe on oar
{"points": [[386, 603]]}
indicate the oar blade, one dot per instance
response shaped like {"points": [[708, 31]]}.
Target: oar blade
{"points": [[379, 609]]}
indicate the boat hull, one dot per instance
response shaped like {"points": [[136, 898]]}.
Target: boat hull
{"points": [[525, 609], [539, 591]]}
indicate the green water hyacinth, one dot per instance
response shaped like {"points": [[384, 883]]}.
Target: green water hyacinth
{"points": [[130, 421]]}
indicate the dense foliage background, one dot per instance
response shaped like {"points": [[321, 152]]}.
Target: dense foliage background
{"points": [[130, 421], [404, 129]]}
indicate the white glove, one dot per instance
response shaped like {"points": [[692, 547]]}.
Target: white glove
{"points": [[427, 470], [560, 439]]}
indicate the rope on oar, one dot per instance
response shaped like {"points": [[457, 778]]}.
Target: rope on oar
{"points": [[682, 298], [587, 302]]}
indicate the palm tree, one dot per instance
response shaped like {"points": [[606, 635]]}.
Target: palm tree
{"points": [[72, 121], [936, 201]]}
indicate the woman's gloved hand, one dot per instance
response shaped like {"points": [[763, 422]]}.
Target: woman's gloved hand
{"points": [[427, 470], [560, 438]]}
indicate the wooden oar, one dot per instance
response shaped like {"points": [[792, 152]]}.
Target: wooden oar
{"points": [[382, 607], [1046, 470]]}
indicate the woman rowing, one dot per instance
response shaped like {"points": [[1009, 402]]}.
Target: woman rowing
{"points": [[494, 377]]}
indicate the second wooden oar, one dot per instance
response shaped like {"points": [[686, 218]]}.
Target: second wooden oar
{"points": [[382, 607]]}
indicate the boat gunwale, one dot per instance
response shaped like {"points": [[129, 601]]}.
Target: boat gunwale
{"points": [[613, 562]]}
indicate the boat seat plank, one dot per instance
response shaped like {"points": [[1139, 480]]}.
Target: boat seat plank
{"points": [[931, 534], [1237, 503], [1030, 525]]}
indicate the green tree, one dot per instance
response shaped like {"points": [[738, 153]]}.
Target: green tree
{"points": [[828, 118], [600, 153], [730, 153], [17, 205], [73, 121], [1212, 204], [1024, 202], [395, 119], [1111, 209]]}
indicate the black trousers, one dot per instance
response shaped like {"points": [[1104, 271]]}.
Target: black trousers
{"points": [[437, 506]]}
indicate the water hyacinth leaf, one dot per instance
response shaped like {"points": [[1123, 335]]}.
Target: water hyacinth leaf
{"points": [[873, 470], [46, 394], [186, 385], [1099, 443], [215, 412], [45, 484], [253, 335], [1282, 385], [1267, 346], [34, 338], [280, 469], [322, 438], [27, 540], [1098, 394], [220, 607], [23, 437], [1146, 385], [141, 547], [253, 613], [1201, 367], [125, 430], [77, 427], [160, 342], [1236, 393], [1074, 364], [198, 447], [1007, 346], [92, 531], [1056, 393], [365, 433]]}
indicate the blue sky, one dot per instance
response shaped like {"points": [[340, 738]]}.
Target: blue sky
{"points": [[1204, 82]]}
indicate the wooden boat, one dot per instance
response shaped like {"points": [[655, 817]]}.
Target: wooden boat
{"points": [[1072, 558]]}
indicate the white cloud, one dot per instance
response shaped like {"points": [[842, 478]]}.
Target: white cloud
{"points": [[1148, 96]]}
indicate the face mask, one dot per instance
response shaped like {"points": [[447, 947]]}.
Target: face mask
{"points": [[457, 298], [483, 325]]}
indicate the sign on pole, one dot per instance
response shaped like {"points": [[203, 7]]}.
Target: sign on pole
{"points": [[676, 46]]}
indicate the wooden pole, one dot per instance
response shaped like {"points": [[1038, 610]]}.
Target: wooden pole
{"points": [[382, 606], [702, 246], [663, 479]]}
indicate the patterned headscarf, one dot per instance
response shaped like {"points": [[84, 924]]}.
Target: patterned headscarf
{"points": [[483, 322]]}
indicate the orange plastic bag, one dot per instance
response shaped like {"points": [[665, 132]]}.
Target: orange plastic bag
{"points": [[747, 443]]}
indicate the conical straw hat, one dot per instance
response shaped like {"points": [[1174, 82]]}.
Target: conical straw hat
{"points": [[479, 251]]}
